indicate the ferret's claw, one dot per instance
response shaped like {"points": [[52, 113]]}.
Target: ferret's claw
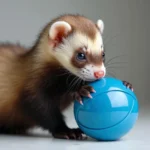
{"points": [[86, 90], [128, 85], [81, 102], [71, 134], [89, 95], [93, 91], [78, 98]]}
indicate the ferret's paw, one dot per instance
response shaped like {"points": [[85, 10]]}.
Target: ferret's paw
{"points": [[78, 97], [70, 134], [86, 90], [128, 85]]}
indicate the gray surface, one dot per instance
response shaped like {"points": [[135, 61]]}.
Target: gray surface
{"points": [[126, 32], [137, 139]]}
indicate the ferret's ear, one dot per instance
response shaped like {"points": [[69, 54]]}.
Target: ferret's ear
{"points": [[100, 25], [58, 31]]}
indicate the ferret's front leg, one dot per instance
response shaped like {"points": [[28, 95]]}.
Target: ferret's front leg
{"points": [[46, 113]]}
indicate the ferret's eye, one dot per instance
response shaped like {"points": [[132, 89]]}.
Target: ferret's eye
{"points": [[81, 56], [103, 54]]}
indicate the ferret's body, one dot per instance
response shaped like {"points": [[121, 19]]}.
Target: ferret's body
{"points": [[16, 75], [13, 74], [36, 84]]}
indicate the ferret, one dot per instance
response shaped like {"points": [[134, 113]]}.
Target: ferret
{"points": [[38, 83]]}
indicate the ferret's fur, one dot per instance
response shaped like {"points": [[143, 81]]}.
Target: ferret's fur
{"points": [[34, 82]]}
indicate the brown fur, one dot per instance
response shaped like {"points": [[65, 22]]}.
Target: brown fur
{"points": [[80, 24], [20, 67], [12, 77], [95, 59], [90, 59], [75, 62]]}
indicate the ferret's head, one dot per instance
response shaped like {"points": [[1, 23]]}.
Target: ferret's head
{"points": [[76, 42]]}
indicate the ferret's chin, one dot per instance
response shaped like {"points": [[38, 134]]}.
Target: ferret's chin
{"points": [[82, 77], [89, 80]]}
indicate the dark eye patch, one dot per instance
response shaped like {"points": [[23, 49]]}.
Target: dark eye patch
{"points": [[103, 54], [81, 56], [79, 59]]}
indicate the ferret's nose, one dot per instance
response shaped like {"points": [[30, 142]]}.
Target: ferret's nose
{"points": [[99, 74]]}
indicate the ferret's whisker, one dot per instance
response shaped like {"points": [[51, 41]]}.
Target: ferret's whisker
{"points": [[63, 74], [68, 78], [73, 83], [69, 87], [77, 82], [80, 82], [113, 58], [115, 67], [116, 63], [110, 38], [111, 74]]}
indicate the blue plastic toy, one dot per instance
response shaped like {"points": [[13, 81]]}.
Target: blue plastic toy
{"points": [[111, 113]]}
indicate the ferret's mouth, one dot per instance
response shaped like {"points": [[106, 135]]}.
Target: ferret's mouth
{"points": [[84, 77], [88, 79], [91, 80]]}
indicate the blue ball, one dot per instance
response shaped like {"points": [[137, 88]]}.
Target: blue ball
{"points": [[111, 113]]}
